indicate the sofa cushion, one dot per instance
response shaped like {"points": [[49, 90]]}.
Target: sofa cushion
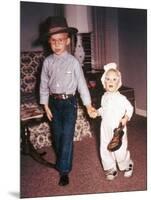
{"points": [[31, 64]]}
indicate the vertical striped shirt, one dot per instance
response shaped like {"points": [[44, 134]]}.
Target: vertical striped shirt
{"points": [[63, 74]]}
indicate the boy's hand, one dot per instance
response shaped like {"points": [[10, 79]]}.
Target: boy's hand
{"points": [[48, 112], [93, 114], [91, 111]]}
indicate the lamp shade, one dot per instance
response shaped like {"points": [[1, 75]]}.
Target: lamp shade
{"points": [[79, 16]]}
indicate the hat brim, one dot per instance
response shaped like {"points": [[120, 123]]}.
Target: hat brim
{"points": [[69, 30]]}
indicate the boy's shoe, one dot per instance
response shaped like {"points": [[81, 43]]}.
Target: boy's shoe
{"points": [[64, 180], [129, 171], [111, 174]]}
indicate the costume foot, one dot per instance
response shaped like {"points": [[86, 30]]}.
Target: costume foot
{"points": [[129, 171], [111, 174]]}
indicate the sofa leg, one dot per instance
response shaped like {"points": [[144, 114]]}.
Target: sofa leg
{"points": [[25, 147], [28, 149]]}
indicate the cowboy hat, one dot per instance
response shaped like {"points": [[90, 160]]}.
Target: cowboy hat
{"points": [[57, 24]]}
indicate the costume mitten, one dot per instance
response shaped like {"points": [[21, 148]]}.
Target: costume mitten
{"points": [[116, 141]]}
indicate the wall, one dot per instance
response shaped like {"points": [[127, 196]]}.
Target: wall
{"points": [[133, 53], [31, 15]]}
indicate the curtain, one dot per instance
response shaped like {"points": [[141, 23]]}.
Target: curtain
{"points": [[98, 37]]}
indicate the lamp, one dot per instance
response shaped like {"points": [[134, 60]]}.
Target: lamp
{"points": [[79, 16]]}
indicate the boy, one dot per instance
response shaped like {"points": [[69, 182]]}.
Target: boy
{"points": [[61, 77]]}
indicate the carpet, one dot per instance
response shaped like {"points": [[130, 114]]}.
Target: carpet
{"points": [[87, 176]]}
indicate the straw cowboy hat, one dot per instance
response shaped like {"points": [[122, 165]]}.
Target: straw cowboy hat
{"points": [[58, 25]]}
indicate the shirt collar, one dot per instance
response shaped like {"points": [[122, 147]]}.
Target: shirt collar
{"points": [[113, 93], [63, 55]]}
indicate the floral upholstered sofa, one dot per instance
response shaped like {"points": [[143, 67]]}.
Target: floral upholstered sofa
{"points": [[40, 134]]}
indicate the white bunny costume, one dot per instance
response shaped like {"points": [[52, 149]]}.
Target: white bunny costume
{"points": [[113, 107]]}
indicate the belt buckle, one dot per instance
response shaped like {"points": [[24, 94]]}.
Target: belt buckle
{"points": [[63, 96]]}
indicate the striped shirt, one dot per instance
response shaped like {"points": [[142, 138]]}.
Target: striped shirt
{"points": [[63, 74]]}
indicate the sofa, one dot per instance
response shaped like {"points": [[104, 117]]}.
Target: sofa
{"points": [[40, 133]]}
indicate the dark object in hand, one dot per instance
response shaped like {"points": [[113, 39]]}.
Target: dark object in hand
{"points": [[116, 141]]}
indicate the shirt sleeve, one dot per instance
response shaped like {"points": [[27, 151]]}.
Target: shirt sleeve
{"points": [[44, 89], [82, 85]]}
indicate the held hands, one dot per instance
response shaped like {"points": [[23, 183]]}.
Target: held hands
{"points": [[48, 112], [91, 111]]}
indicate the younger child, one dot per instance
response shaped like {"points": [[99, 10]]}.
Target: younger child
{"points": [[115, 110]]}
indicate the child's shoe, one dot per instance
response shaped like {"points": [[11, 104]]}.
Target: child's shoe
{"points": [[111, 174], [129, 171]]}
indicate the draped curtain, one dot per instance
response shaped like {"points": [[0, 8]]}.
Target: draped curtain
{"points": [[98, 37]]}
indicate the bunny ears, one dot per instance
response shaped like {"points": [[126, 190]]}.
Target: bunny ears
{"points": [[108, 67]]}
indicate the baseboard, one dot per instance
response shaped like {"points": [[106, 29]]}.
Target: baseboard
{"points": [[141, 112]]}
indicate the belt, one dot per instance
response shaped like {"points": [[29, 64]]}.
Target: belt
{"points": [[62, 96]]}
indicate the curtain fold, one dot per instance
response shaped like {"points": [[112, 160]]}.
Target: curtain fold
{"points": [[98, 37]]}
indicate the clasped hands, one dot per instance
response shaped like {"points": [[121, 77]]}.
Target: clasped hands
{"points": [[92, 112]]}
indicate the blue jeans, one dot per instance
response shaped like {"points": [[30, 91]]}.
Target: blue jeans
{"points": [[63, 125]]}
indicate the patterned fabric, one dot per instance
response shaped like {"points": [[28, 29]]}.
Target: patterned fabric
{"points": [[31, 63], [31, 110], [82, 127], [40, 135]]}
